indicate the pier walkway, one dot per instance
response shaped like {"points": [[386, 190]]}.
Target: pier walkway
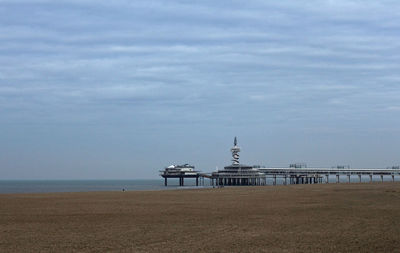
{"points": [[321, 175]]}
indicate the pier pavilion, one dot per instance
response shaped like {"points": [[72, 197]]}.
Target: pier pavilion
{"points": [[181, 172], [238, 174]]}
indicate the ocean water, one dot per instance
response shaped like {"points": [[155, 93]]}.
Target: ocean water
{"points": [[44, 186]]}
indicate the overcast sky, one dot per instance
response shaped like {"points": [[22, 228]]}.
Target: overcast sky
{"points": [[120, 89]]}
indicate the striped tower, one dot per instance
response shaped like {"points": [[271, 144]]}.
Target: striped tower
{"points": [[235, 153]]}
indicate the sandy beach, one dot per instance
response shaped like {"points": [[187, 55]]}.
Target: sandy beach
{"points": [[296, 218]]}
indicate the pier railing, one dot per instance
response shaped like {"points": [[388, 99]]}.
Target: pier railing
{"points": [[331, 171]]}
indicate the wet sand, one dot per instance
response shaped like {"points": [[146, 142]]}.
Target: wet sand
{"points": [[296, 218]]}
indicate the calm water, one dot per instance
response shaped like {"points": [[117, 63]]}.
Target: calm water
{"points": [[38, 186]]}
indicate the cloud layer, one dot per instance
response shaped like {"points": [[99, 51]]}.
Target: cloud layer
{"points": [[158, 74]]}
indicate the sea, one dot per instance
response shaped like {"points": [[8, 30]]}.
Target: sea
{"points": [[47, 186]]}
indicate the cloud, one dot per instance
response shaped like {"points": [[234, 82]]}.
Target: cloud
{"points": [[224, 66], [393, 108]]}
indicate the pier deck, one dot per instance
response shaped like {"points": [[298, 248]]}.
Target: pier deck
{"points": [[316, 175]]}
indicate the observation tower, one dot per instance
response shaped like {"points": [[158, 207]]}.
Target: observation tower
{"points": [[235, 152], [238, 174]]}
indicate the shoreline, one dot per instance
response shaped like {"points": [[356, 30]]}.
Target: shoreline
{"points": [[186, 188]]}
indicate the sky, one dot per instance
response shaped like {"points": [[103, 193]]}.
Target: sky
{"points": [[120, 89]]}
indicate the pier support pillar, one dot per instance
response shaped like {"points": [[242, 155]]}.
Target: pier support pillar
{"points": [[393, 178], [370, 178], [285, 180], [359, 178], [382, 178], [197, 181], [348, 178], [274, 179], [165, 181], [337, 179], [327, 179]]}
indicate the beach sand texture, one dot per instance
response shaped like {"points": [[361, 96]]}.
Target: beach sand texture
{"points": [[295, 218]]}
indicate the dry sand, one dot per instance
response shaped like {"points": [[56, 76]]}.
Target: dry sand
{"points": [[296, 218]]}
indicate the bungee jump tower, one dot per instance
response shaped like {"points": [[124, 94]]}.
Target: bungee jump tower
{"points": [[236, 173]]}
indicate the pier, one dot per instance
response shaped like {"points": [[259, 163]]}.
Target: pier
{"points": [[304, 175], [291, 175], [238, 174]]}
